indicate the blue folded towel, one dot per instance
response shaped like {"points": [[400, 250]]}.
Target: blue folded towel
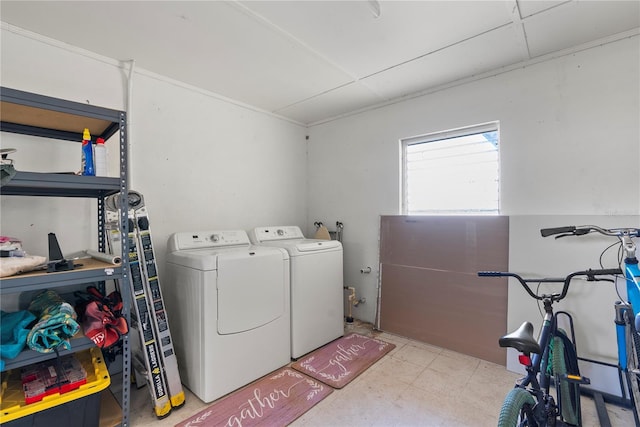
{"points": [[13, 333]]}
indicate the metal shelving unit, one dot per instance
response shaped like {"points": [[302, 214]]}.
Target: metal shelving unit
{"points": [[60, 185], [52, 118]]}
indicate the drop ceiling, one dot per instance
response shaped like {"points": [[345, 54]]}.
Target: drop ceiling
{"points": [[310, 61]]}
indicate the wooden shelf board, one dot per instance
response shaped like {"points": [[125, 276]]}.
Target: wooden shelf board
{"points": [[48, 119]]}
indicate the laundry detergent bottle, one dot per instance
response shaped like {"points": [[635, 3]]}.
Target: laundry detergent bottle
{"points": [[87, 154], [100, 157]]}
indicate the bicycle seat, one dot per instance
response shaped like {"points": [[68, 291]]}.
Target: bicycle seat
{"points": [[521, 339]]}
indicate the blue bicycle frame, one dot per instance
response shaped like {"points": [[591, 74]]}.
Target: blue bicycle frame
{"points": [[632, 276]]}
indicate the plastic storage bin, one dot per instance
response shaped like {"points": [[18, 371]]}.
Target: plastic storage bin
{"points": [[80, 407], [52, 376]]}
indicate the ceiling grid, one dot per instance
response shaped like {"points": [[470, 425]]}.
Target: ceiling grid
{"points": [[310, 61]]}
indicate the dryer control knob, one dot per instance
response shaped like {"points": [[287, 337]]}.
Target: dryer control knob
{"points": [[280, 232], [215, 238]]}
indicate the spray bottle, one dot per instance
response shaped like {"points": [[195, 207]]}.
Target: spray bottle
{"points": [[87, 154], [100, 157]]}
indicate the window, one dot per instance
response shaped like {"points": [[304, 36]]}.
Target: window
{"points": [[454, 172]]}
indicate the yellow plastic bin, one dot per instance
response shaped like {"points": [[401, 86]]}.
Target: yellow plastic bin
{"points": [[80, 407]]}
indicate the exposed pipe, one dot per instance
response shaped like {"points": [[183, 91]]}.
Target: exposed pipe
{"points": [[351, 299], [353, 302], [129, 110]]}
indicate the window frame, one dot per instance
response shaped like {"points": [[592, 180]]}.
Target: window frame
{"points": [[493, 126]]}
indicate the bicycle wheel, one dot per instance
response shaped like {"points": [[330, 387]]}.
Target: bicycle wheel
{"points": [[633, 373], [517, 409], [565, 361]]}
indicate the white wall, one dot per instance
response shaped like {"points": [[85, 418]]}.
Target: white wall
{"points": [[569, 145], [204, 164], [201, 162]]}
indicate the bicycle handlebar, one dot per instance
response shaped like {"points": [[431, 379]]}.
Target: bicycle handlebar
{"points": [[590, 274], [586, 229], [558, 230]]}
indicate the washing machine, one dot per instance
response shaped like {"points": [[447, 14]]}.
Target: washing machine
{"points": [[230, 309], [317, 295]]}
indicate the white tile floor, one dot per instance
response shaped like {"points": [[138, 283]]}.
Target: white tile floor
{"points": [[416, 384]]}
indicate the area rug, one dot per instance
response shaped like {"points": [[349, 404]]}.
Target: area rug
{"points": [[341, 361], [274, 400]]}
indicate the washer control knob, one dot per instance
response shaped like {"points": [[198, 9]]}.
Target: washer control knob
{"points": [[280, 232], [215, 238]]}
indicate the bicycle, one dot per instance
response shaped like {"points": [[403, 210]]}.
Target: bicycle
{"points": [[627, 312], [530, 403]]}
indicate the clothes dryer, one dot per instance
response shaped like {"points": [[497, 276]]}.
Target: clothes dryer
{"points": [[230, 308], [317, 295]]}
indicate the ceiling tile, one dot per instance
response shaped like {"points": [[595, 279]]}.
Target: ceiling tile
{"points": [[342, 100], [208, 44], [311, 60], [462, 60], [531, 7], [575, 23], [347, 33]]}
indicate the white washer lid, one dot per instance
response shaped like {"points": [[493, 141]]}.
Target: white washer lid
{"points": [[299, 247], [311, 245], [207, 239], [207, 259]]}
